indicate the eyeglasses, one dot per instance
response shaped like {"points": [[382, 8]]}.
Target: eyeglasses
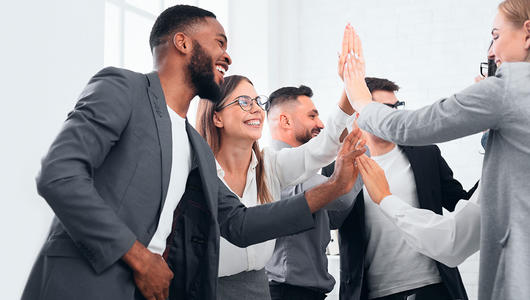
{"points": [[245, 102], [397, 105], [488, 68]]}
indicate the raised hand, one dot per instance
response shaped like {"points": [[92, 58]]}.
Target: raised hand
{"points": [[374, 178], [354, 71]]}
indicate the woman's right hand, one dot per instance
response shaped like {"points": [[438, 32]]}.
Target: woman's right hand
{"points": [[374, 178], [353, 70]]}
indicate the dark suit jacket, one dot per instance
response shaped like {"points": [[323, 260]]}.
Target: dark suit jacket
{"points": [[106, 177], [436, 188]]}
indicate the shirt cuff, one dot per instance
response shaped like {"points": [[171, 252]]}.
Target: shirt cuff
{"points": [[393, 206]]}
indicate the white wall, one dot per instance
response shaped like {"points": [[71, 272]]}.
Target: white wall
{"points": [[49, 51]]}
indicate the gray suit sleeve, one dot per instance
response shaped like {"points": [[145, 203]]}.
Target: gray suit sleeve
{"points": [[479, 107], [66, 177], [244, 226]]}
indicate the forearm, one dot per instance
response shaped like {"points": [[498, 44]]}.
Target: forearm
{"points": [[344, 104], [449, 239], [462, 114], [94, 227], [244, 226], [322, 194], [292, 166]]}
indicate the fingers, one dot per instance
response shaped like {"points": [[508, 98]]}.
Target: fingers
{"points": [[345, 41], [355, 43], [361, 166], [351, 156], [350, 38], [358, 47], [348, 142]]}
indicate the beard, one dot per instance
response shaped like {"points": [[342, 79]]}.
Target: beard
{"points": [[306, 135], [202, 75]]}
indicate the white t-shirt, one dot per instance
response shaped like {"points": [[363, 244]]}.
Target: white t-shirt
{"points": [[180, 169], [392, 265]]}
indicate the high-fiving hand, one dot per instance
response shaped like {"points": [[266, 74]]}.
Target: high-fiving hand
{"points": [[374, 178], [351, 69]]}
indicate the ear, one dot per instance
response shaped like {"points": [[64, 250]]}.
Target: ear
{"points": [[182, 43], [285, 121], [217, 120], [526, 28]]}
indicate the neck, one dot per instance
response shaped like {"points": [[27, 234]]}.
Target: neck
{"points": [[378, 146], [178, 91], [289, 139], [234, 155]]}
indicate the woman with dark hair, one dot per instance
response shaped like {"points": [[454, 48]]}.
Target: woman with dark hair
{"points": [[232, 128], [500, 103]]}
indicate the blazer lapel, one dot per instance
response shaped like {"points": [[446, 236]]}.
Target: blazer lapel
{"points": [[204, 159], [421, 177], [163, 126]]}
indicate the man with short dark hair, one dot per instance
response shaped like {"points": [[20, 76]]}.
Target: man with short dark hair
{"points": [[298, 269], [376, 262], [133, 186]]}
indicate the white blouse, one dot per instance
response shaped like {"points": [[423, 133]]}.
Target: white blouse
{"points": [[283, 168]]}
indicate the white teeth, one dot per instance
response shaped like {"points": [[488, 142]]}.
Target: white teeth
{"points": [[253, 122], [220, 69]]}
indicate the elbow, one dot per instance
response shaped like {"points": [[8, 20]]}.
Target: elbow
{"points": [[44, 186], [237, 240]]}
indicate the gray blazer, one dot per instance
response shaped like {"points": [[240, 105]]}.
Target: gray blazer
{"points": [[502, 104], [106, 177]]}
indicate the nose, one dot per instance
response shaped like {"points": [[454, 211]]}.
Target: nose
{"points": [[319, 123], [227, 58], [254, 107]]}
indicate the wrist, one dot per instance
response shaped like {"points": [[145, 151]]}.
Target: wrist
{"points": [[136, 257], [344, 104], [383, 197], [335, 188]]}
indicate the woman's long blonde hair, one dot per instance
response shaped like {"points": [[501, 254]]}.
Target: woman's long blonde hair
{"points": [[212, 135]]}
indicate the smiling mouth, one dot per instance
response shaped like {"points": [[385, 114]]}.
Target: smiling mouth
{"points": [[221, 69], [315, 132], [253, 123]]}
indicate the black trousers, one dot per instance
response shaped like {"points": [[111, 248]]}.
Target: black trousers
{"points": [[436, 291], [283, 291]]}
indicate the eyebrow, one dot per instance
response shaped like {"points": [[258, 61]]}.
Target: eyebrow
{"points": [[314, 111]]}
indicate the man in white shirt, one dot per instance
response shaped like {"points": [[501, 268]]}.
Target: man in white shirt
{"points": [[376, 260]]}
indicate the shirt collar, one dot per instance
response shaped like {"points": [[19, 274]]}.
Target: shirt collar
{"points": [[253, 165], [278, 145]]}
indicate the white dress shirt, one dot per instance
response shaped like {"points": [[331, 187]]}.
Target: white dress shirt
{"points": [[449, 239], [180, 169], [283, 168]]}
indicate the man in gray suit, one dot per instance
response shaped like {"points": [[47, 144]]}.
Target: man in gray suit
{"points": [[127, 198]]}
